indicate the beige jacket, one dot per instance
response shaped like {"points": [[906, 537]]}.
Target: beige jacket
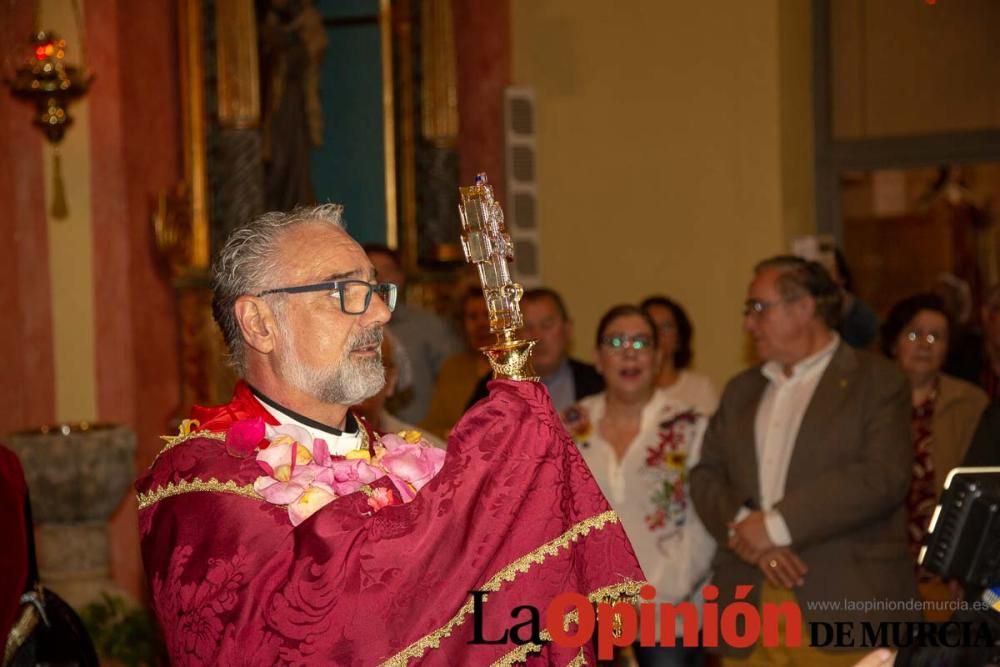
{"points": [[957, 410]]}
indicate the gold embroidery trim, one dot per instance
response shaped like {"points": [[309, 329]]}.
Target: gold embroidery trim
{"points": [[506, 574], [627, 591], [520, 654], [186, 432], [184, 436], [194, 486]]}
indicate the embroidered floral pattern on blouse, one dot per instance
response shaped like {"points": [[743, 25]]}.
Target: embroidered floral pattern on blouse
{"points": [[665, 464], [669, 457]]}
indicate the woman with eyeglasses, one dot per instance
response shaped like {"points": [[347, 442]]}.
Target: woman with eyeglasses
{"points": [[639, 444], [945, 413]]}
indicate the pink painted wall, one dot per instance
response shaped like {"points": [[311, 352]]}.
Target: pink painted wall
{"points": [[27, 393], [135, 154]]}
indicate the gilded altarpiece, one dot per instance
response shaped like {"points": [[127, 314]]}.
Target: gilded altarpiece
{"points": [[227, 102]]}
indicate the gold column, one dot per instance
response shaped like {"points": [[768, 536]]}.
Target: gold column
{"points": [[389, 123], [181, 221], [193, 128], [236, 61], [438, 89]]}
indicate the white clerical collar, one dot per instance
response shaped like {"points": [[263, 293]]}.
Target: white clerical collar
{"points": [[339, 442]]}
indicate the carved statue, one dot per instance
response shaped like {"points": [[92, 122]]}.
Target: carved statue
{"points": [[292, 42]]}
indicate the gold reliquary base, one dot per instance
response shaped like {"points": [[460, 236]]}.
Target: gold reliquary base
{"points": [[510, 358]]}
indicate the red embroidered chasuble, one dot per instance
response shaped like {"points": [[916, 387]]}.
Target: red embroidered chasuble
{"points": [[514, 511]]}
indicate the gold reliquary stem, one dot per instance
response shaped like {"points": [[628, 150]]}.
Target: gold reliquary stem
{"points": [[487, 245]]}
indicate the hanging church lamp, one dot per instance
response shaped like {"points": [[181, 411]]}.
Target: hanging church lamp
{"points": [[51, 84]]}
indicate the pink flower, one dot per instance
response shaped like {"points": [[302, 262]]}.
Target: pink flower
{"points": [[321, 452], [415, 464], [379, 498], [292, 433], [285, 491], [244, 436], [345, 476], [300, 473], [279, 459], [290, 446], [315, 497]]}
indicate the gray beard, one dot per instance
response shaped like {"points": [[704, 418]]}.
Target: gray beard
{"points": [[351, 382]]}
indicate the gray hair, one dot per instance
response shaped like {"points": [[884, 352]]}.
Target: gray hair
{"points": [[246, 263], [799, 277]]}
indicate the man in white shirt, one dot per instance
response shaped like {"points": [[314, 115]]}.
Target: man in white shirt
{"points": [[806, 465]]}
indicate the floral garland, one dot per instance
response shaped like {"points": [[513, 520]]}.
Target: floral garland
{"points": [[300, 473]]}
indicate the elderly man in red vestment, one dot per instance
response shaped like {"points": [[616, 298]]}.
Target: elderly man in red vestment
{"points": [[279, 529]]}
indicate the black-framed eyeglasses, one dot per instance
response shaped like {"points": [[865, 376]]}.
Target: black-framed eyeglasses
{"points": [[622, 343], [355, 295]]}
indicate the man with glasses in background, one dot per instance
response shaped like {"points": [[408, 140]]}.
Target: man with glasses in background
{"points": [[805, 466], [280, 529], [547, 321]]}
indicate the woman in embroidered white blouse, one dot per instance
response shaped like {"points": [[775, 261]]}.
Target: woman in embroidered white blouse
{"points": [[639, 443]]}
